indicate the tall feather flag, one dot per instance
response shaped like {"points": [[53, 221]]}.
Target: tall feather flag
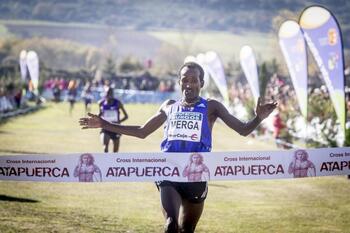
{"points": [[217, 73], [201, 59], [33, 68], [293, 48], [323, 36], [250, 69], [23, 64]]}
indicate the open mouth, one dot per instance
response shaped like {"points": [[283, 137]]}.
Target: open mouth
{"points": [[188, 91]]}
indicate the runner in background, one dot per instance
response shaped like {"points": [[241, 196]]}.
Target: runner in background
{"points": [[87, 97], [72, 95], [280, 132], [110, 109], [188, 128]]}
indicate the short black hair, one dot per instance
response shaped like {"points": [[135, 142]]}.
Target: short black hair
{"points": [[193, 65]]}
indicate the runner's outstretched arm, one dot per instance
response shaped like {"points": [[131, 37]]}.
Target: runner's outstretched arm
{"points": [[243, 128], [95, 121]]}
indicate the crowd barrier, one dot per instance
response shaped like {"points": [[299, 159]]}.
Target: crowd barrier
{"points": [[5, 104], [21, 111]]}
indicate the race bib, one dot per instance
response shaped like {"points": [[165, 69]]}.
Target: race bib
{"points": [[185, 126], [89, 96], [110, 115], [71, 97]]}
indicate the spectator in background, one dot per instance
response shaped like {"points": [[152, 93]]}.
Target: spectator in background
{"points": [[63, 84], [18, 97], [171, 86], [56, 90], [162, 86], [106, 84], [72, 95], [125, 84], [279, 127]]}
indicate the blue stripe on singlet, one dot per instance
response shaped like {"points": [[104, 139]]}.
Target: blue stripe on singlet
{"points": [[113, 106]]}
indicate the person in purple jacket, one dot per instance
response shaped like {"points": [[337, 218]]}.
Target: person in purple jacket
{"points": [[188, 128]]}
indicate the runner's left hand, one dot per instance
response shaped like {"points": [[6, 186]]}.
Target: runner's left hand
{"points": [[264, 110]]}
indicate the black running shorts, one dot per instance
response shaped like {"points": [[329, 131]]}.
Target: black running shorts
{"points": [[111, 135], [194, 192]]}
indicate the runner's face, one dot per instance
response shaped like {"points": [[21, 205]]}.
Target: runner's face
{"points": [[190, 83]]}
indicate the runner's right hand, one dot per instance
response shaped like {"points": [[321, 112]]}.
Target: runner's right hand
{"points": [[92, 121]]}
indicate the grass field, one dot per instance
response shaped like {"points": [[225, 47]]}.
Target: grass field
{"points": [[302, 205]]}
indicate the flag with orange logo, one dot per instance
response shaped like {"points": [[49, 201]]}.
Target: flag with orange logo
{"points": [[323, 36]]}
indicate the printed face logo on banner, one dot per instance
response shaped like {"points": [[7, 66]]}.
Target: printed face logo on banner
{"points": [[86, 169], [196, 170], [301, 166]]}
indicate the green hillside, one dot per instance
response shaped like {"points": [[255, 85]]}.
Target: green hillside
{"points": [[145, 43], [155, 29], [229, 15]]}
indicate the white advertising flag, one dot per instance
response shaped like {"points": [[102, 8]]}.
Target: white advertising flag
{"points": [[248, 64], [217, 73], [23, 64], [293, 47], [33, 68]]}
